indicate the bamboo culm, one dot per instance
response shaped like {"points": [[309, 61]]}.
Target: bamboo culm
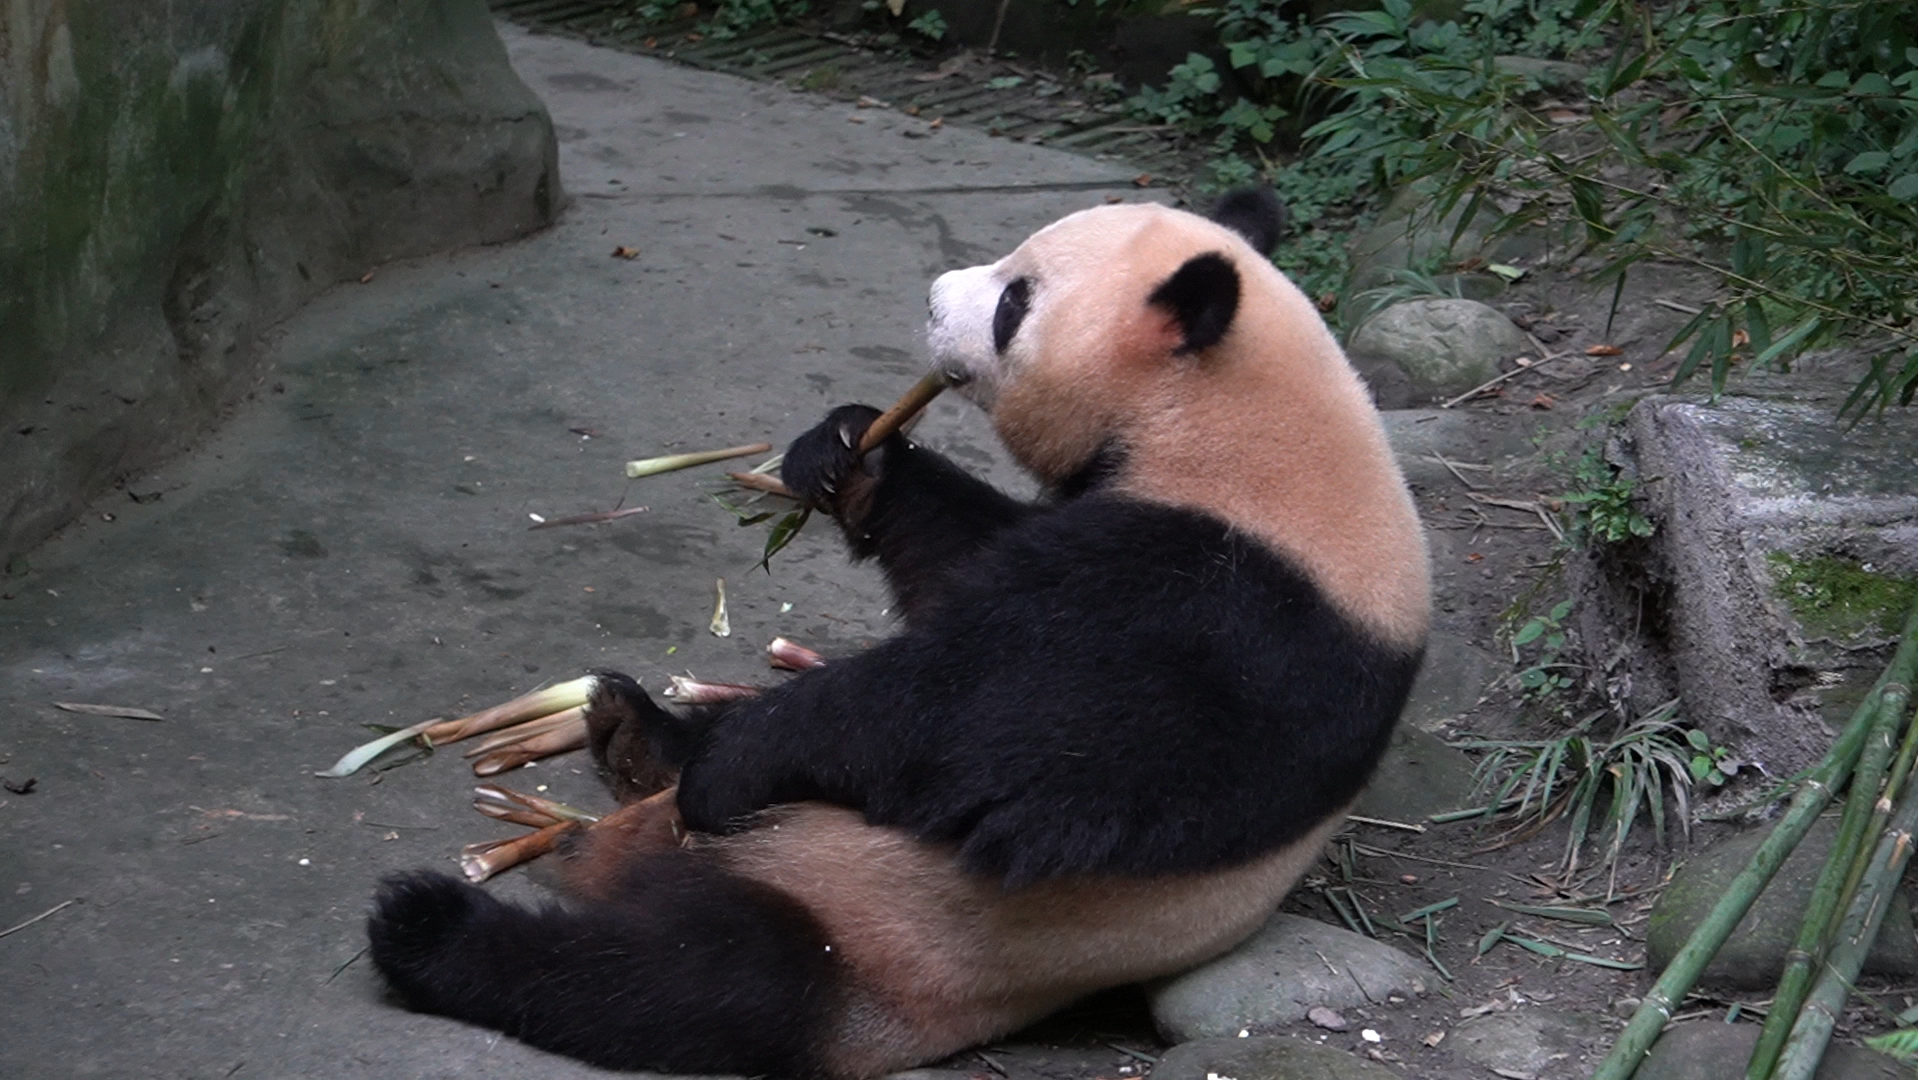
{"points": [[1814, 792], [1828, 895], [1863, 918]]}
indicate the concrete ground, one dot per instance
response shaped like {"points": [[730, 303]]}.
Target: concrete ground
{"points": [[352, 548]]}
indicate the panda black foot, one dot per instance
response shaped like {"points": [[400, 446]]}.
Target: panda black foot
{"points": [[636, 745], [416, 917]]}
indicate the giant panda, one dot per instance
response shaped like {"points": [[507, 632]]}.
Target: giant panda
{"points": [[1117, 725]]}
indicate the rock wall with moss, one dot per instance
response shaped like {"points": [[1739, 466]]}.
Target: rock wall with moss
{"points": [[175, 177]]}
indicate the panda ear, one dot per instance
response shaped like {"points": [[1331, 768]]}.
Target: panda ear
{"points": [[1254, 213], [1201, 297]]}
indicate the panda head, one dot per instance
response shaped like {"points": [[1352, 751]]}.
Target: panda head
{"points": [[1102, 319]]}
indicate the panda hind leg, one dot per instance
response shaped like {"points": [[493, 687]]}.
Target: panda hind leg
{"points": [[692, 969], [597, 862]]}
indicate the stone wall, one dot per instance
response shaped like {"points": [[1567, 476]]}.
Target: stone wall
{"points": [[175, 177]]}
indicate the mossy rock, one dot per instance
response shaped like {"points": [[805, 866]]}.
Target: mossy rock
{"points": [[1842, 598]]}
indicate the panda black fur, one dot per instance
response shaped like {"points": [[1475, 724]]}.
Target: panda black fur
{"points": [[1117, 725]]}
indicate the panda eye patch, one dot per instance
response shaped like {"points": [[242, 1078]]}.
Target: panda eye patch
{"points": [[1010, 313]]}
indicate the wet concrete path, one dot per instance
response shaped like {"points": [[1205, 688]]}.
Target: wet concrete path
{"points": [[352, 548]]}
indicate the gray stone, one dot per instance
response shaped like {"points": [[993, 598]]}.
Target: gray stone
{"points": [[1443, 347], [1742, 492], [1270, 1058], [1531, 1041], [1710, 1051], [1453, 678], [1290, 966], [1419, 775], [1755, 954], [174, 178], [1407, 237], [1420, 437]]}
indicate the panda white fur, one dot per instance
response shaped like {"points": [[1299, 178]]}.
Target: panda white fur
{"points": [[1117, 725]]}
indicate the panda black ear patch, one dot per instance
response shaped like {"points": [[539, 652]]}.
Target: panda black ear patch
{"points": [[1202, 297], [1254, 213]]}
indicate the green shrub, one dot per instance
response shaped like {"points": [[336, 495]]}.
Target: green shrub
{"points": [[1771, 142]]}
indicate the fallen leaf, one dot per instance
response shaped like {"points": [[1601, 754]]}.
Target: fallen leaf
{"points": [[123, 711], [1142, 180], [1603, 350], [937, 123], [1544, 401], [1434, 1038], [1475, 556], [1328, 301], [1740, 338], [624, 252]]}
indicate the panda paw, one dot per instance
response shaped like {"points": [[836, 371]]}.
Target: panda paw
{"points": [[415, 917], [636, 745], [823, 465]]}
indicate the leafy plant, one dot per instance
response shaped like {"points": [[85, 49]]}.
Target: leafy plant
{"points": [[1604, 507], [1901, 1044], [1549, 673], [1773, 143], [731, 18], [930, 24], [1604, 782]]}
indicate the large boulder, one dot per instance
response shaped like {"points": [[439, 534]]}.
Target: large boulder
{"points": [[176, 177], [1784, 558], [1291, 966], [1754, 956], [1713, 1051], [1428, 350]]}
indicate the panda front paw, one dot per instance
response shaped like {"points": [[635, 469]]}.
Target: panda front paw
{"points": [[824, 466], [636, 745]]}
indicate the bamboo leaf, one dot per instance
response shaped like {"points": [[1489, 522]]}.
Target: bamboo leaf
{"points": [[1582, 916]]}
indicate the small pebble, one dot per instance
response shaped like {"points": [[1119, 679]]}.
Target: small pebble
{"points": [[1409, 879], [1326, 1018], [1371, 1036]]}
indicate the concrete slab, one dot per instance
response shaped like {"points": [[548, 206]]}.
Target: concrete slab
{"points": [[352, 548]]}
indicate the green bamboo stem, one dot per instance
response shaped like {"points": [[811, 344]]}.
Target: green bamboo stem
{"points": [[1891, 713], [1863, 918], [1828, 896], [1814, 792]]}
